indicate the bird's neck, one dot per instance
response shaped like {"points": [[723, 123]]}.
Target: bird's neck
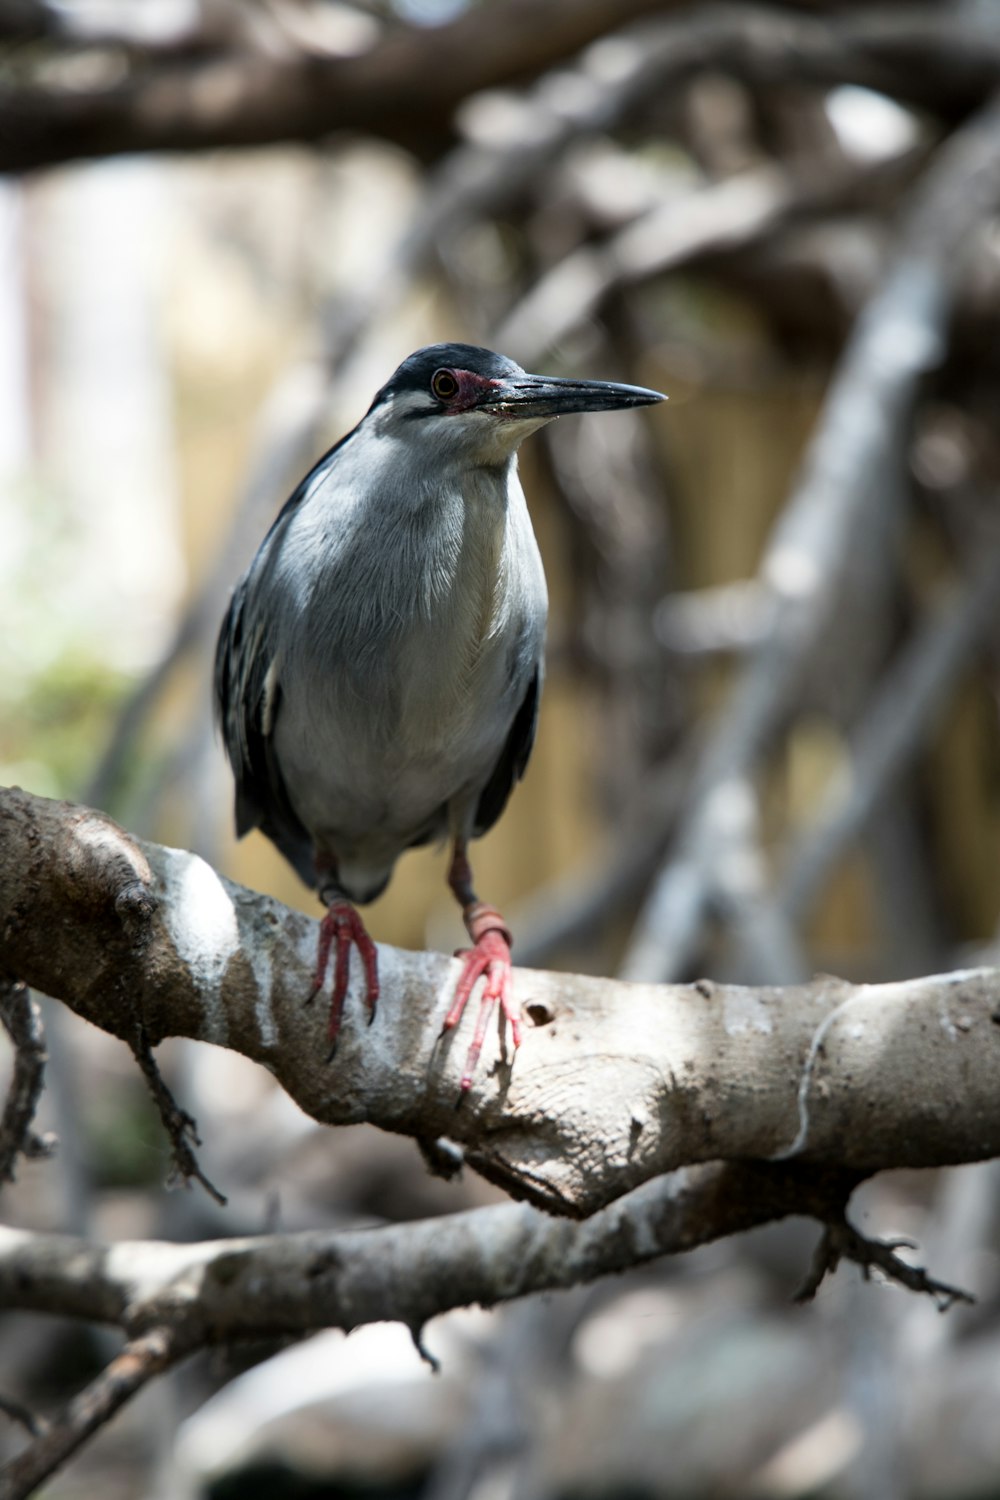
{"points": [[459, 531]]}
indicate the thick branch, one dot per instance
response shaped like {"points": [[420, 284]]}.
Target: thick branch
{"points": [[407, 86], [614, 1084]]}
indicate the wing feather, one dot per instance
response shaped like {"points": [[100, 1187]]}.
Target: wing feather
{"points": [[247, 703], [513, 759]]}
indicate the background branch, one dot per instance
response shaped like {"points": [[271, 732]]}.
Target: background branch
{"points": [[173, 1299], [848, 468], [404, 88], [23, 1024], [408, 84], [140, 1361]]}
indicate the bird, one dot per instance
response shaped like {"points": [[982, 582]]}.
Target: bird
{"points": [[379, 667]]}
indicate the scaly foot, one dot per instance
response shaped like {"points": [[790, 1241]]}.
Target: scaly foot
{"points": [[490, 957], [342, 927]]}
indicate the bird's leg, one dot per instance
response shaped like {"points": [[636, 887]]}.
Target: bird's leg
{"points": [[489, 956], [340, 928]]}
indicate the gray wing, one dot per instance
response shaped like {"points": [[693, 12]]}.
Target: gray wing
{"points": [[248, 697], [247, 702], [513, 759]]}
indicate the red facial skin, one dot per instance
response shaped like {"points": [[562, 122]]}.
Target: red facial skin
{"points": [[473, 390]]}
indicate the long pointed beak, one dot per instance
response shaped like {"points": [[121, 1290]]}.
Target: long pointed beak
{"points": [[527, 396]]}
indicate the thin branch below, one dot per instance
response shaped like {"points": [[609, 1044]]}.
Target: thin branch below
{"points": [[139, 1362], [290, 1284], [22, 1021]]}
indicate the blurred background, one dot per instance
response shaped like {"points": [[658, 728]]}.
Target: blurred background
{"points": [[769, 739]]}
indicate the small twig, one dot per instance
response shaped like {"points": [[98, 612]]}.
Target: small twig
{"points": [[441, 1158], [22, 1021], [416, 1331], [23, 1416], [841, 1241], [181, 1127], [139, 1362]]}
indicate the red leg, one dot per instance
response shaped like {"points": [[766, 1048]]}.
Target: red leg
{"points": [[342, 926], [489, 958]]}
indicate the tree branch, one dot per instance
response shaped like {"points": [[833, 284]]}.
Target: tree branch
{"points": [[181, 1128], [405, 88], [893, 729], [742, 210], [856, 450], [841, 1241], [408, 1272], [139, 1362], [22, 1022], [174, 1298], [614, 1084]]}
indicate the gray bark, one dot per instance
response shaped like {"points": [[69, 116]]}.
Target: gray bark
{"points": [[614, 1084]]}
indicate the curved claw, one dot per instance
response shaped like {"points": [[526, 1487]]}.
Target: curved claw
{"points": [[489, 957], [341, 928]]}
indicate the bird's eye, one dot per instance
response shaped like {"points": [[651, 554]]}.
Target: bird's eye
{"points": [[444, 385]]}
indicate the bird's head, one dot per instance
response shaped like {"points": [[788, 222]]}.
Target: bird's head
{"points": [[473, 406]]}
